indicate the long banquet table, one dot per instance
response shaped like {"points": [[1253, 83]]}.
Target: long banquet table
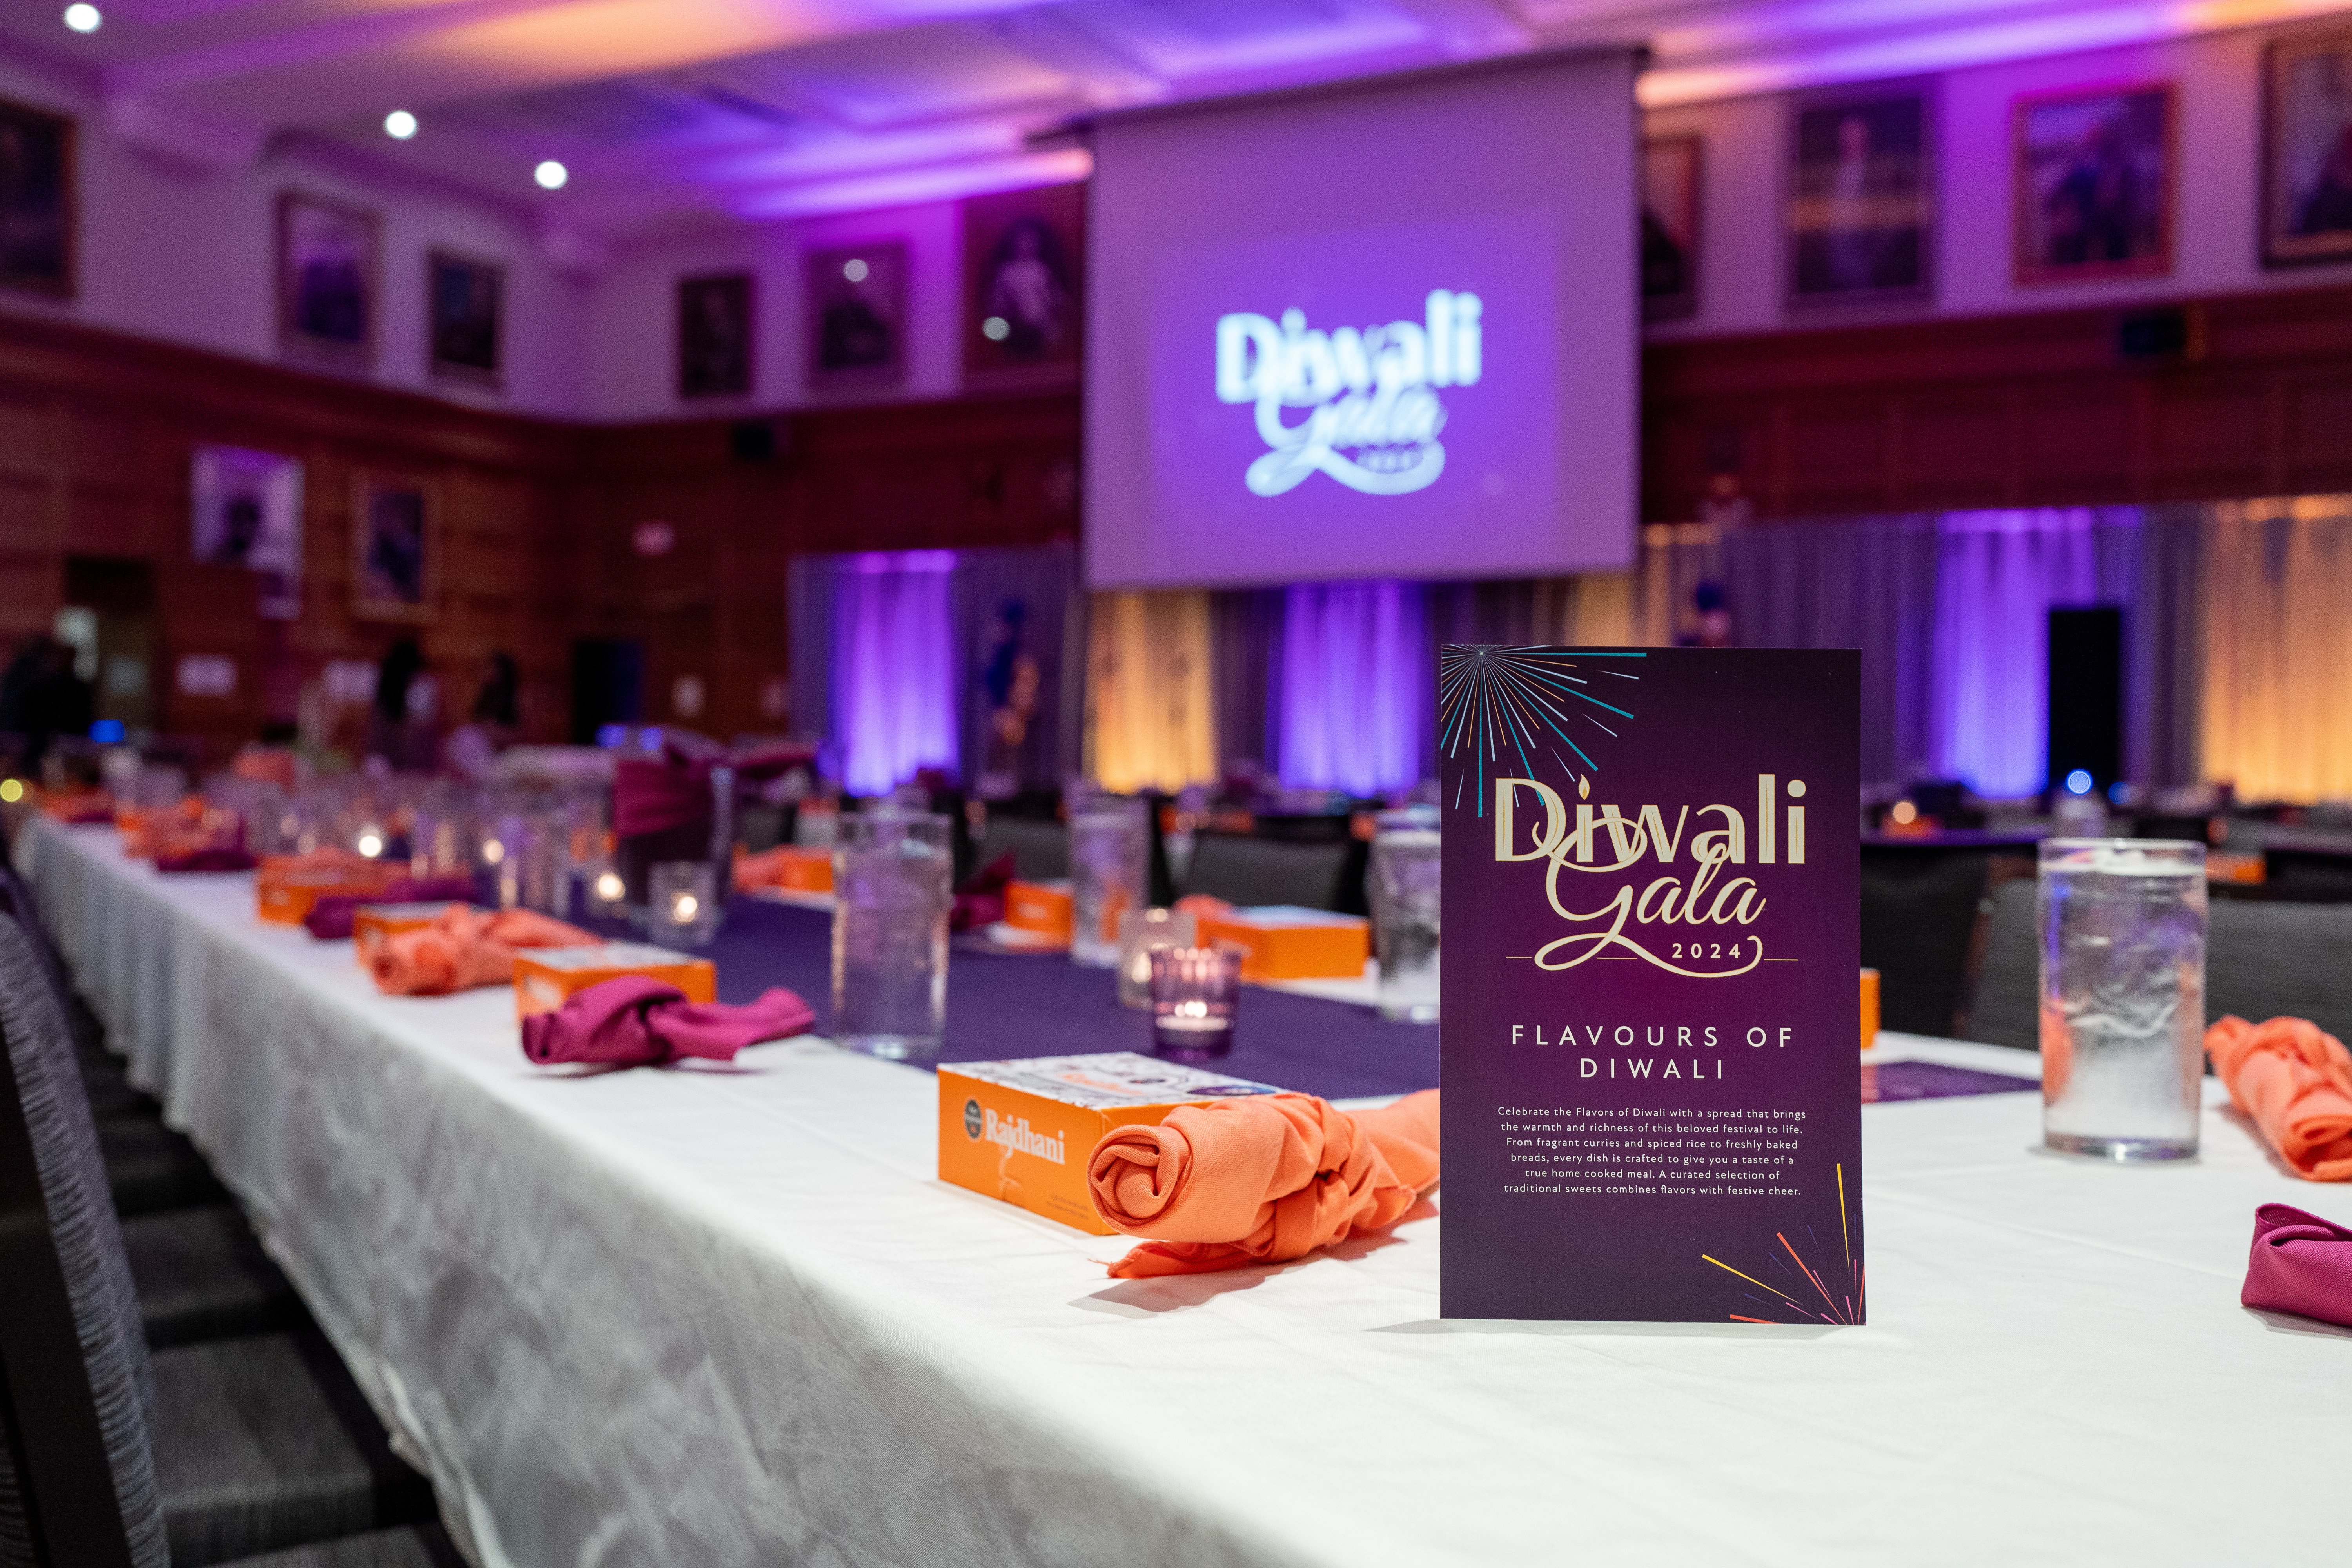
{"points": [[710, 1317]]}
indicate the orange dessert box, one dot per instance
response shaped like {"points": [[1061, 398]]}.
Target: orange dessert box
{"points": [[1285, 942], [545, 978], [1869, 1008], [1022, 1131], [370, 923], [1043, 907], [799, 868], [287, 896]]}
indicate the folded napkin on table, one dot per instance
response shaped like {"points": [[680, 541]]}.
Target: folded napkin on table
{"points": [[1262, 1180], [980, 901], [2296, 1083], [79, 809], [465, 948], [2301, 1263], [330, 919], [635, 1021], [210, 857]]}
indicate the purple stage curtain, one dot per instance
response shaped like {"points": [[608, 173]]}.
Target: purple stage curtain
{"points": [[1356, 686], [894, 666], [1998, 576]]}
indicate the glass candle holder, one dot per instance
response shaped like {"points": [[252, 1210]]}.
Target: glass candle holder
{"points": [[1141, 933], [1194, 994], [685, 903]]}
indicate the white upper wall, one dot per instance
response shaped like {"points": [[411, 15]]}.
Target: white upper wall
{"points": [[632, 370], [177, 252], [172, 252], [2217, 196]]}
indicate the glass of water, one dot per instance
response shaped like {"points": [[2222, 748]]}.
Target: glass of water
{"points": [[1404, 912], [2123, 996], [1110, 851], [890, 904]]}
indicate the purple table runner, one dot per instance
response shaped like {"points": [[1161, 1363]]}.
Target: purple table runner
{"points": [[1041, 1005]]}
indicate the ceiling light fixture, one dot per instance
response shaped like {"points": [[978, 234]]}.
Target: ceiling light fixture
{"points": [[996, 329], [83, 18], [854, 269], [399, 125], [551, 176]]}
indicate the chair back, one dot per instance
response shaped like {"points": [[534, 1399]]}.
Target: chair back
{"points": [[1245, 869], [1040, 850], [1920, 914], [2263, 959], [73, 1359], [2005, 1009]]}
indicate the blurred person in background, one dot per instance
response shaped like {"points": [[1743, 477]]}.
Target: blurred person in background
{"points": [[401, 721], [42, 697], [472, 749]]}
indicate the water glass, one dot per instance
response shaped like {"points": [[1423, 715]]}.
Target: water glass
{"points": [[891, 872], [1404, 912], [1110, 850], [2122, 997], [1195, 992], [1141, 933], [685, 906]]}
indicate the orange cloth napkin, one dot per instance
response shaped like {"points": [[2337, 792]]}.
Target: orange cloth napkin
{"points": [[464, 948], [2296, 1082], [1262, 1180]]}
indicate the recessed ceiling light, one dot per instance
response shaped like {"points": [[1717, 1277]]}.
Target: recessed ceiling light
{"points": [[996, 329], [83, 18], [550, 176], [399, 125], [854, 269]]}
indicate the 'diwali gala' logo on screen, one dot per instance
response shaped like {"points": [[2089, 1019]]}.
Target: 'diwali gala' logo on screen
{"points": [[1371, 393]]}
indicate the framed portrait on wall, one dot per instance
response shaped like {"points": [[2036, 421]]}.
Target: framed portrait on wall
{"points": [[714, 336], [245, 510], [2307, 149], [326, 278], [1024, 288], [1860, 203], [2092, 174], [465, 302], [856, 326], [37, 201], [1673, 175], [395, 548]]}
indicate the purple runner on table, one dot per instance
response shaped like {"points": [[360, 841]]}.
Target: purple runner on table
{"points": [[1932, 1080], [1044, 1005]]}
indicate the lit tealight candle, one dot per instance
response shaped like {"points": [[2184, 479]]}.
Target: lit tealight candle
{"points": [[609, 887], [684, 911]]}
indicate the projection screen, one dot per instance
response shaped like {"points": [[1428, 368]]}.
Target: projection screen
{"points": [[1386, 329]]}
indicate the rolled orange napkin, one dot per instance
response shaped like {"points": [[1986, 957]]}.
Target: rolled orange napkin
{"points": [[1261, 1179], [2295, 1081], [464, 948]]}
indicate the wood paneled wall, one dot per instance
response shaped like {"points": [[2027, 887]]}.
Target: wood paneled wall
{"points": [[541, 517], [96, 434], [2023, 410]]}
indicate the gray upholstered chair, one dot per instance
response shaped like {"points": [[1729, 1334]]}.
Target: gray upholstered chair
{"points": [[200, 1454], [199, 1271], [1040, 850], [2003, 1010], [2262, 960], [1245, 869]]}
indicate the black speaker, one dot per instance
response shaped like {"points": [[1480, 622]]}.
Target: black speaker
{"points": [[608, 685], [2086, 695]]}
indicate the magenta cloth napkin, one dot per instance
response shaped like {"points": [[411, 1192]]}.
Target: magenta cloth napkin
{"points": [[211, 859], [2301, 1263], [634, 1021], [330, 919]]}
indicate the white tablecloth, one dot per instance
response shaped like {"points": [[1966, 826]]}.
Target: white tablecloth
{"points": [[709, 1316]]}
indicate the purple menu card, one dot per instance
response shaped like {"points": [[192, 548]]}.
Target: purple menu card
{"points": [[1652, 981]]}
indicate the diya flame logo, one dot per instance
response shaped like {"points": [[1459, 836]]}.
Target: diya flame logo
{"points": [[1373, 413]]}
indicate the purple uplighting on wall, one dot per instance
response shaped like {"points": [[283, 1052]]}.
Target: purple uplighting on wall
{"points": [[1998, 576], [1356, 680], [894, 666]]}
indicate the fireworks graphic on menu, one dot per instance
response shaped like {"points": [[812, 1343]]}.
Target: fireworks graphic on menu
{"points": [[1841, 1302], [1505, 706]]}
